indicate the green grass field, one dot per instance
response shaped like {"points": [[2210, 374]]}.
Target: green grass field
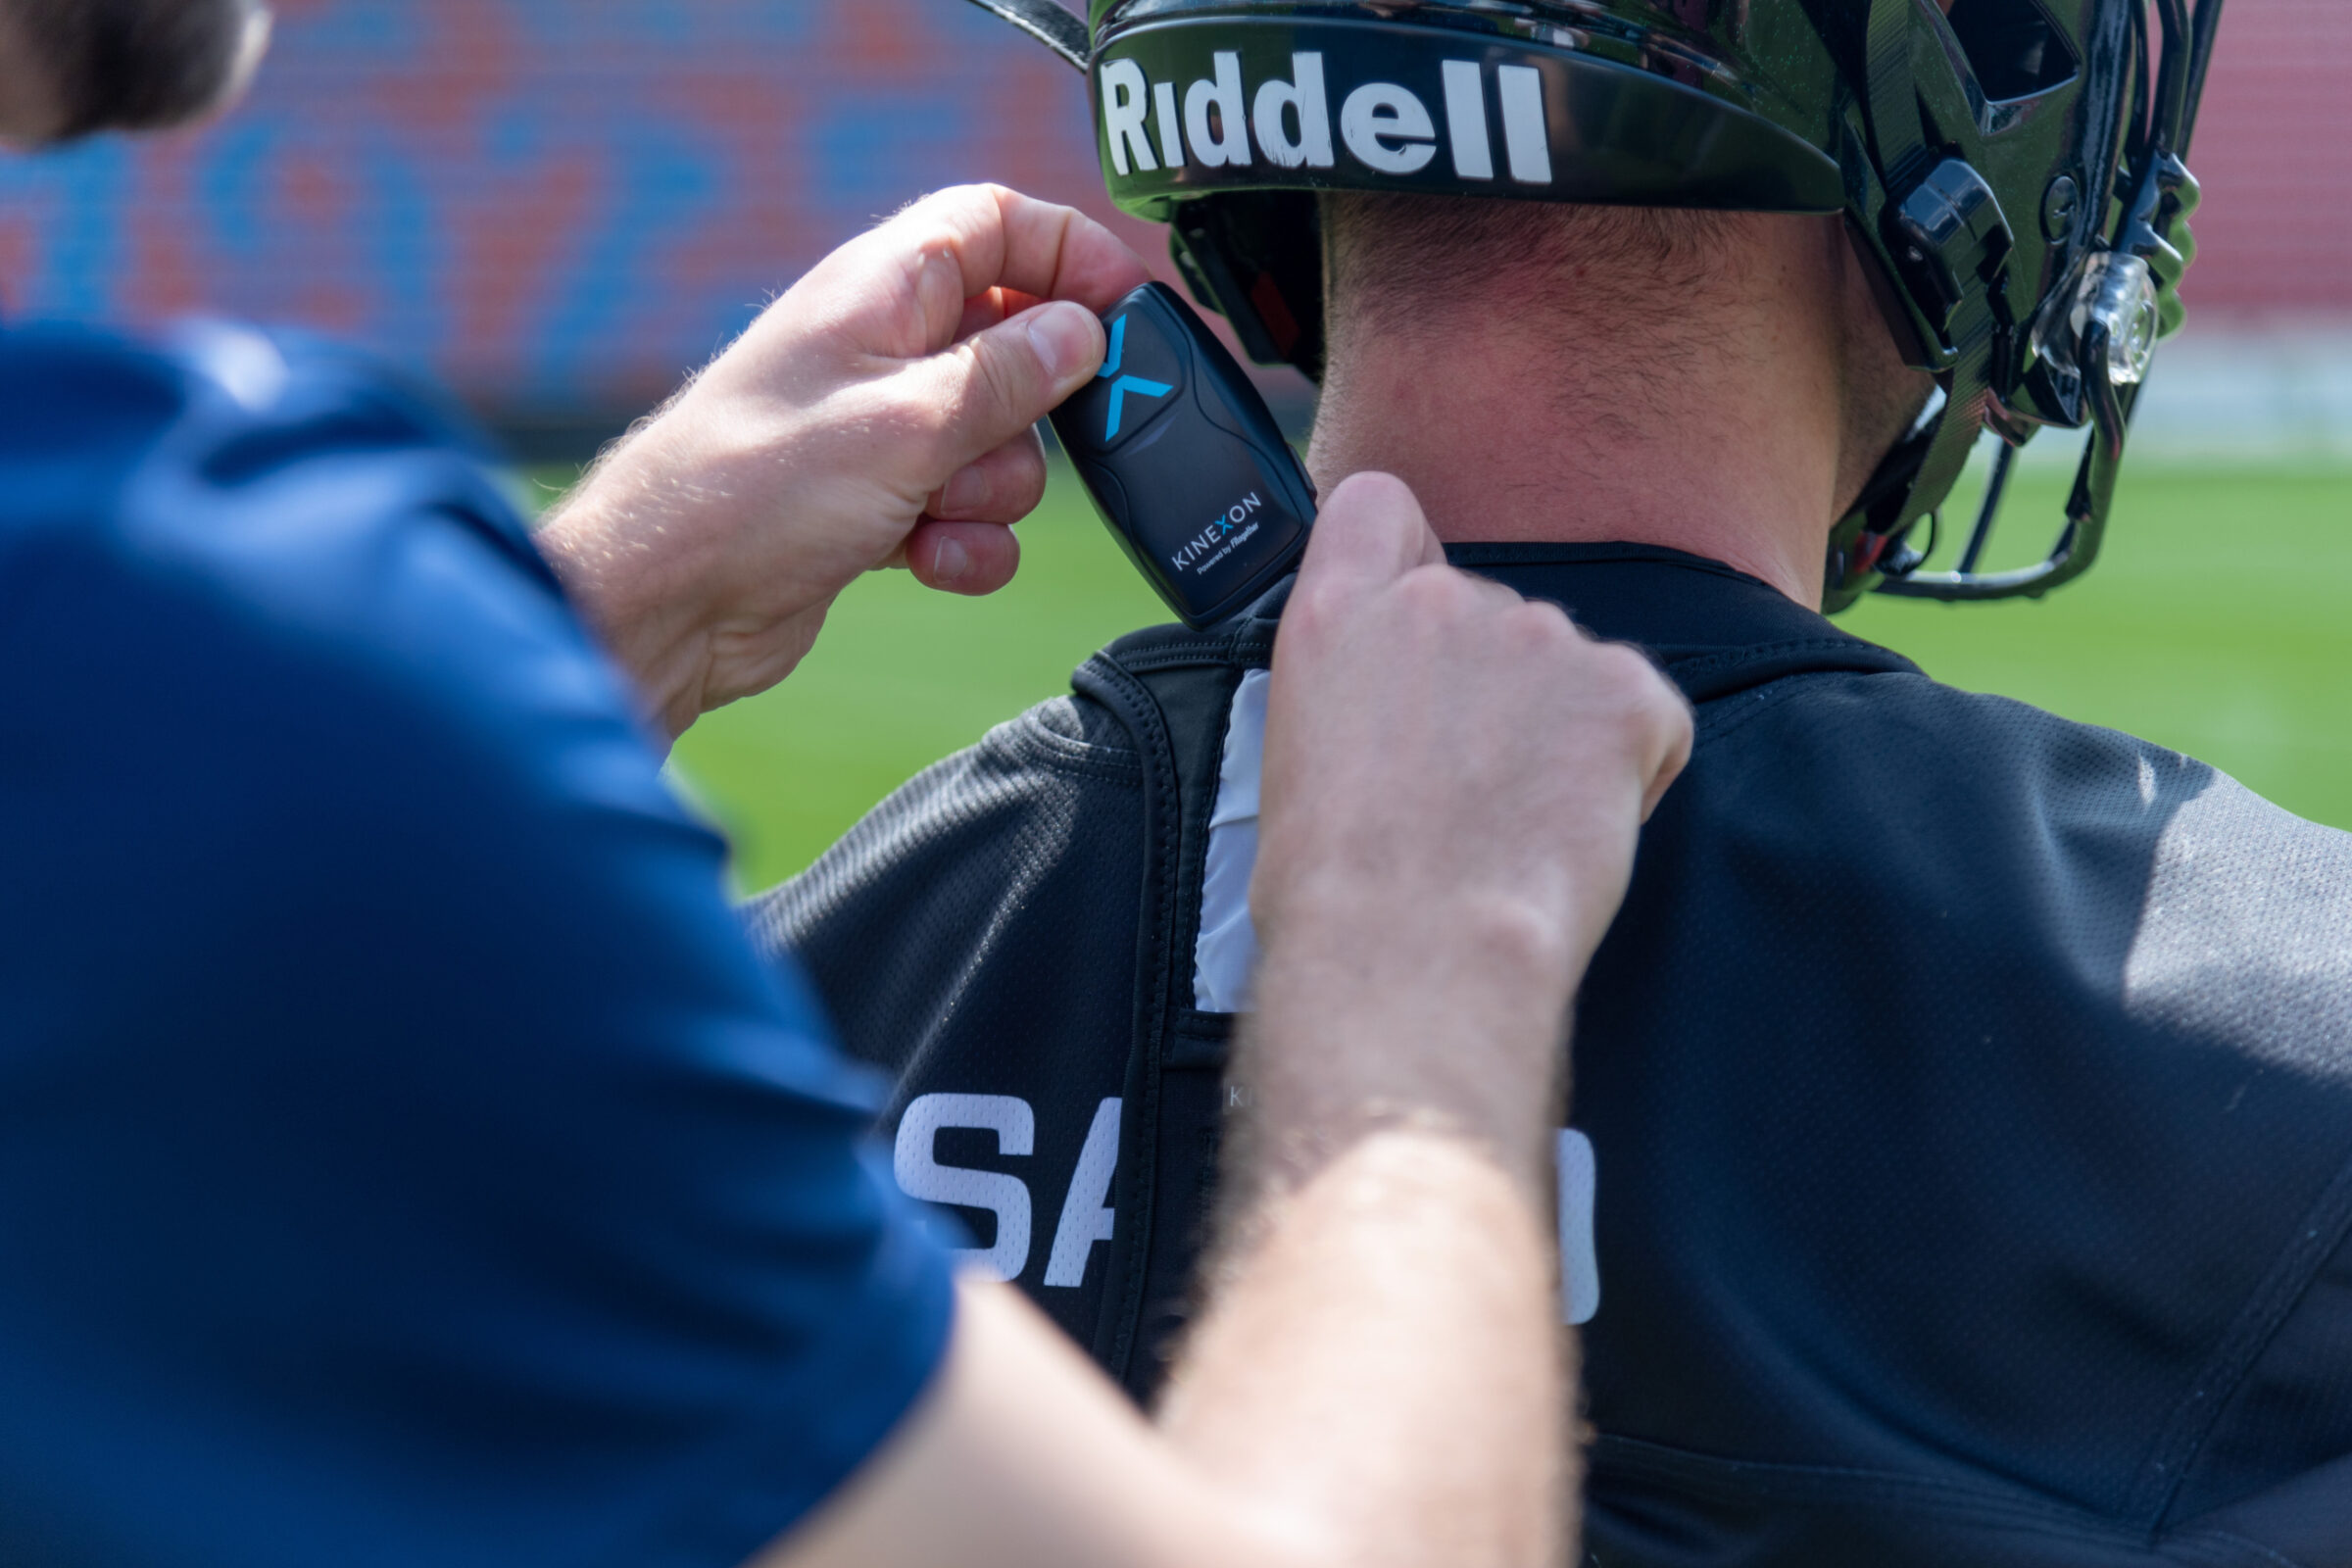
{"points": [[2219, 622]]}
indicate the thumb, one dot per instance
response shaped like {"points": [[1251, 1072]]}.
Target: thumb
{"points": [[994, 385], [1369, 533]]}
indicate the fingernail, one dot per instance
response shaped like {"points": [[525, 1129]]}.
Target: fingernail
{"points": [[950, 562], [1066, 340], [964, 493]]}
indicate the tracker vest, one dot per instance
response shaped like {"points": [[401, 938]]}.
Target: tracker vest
{"points": [[1968, 1094], [1173, 693]]}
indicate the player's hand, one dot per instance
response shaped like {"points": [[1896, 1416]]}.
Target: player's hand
{"points": [[881, 412], [1454, 778]]}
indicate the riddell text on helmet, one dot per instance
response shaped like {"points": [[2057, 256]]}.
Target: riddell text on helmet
{"points": [[1222, 121]]}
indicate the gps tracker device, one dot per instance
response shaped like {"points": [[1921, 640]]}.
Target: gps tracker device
{"points": [[1184, 462]]}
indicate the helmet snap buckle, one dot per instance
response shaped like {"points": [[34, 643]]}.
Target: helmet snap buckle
{"points": [[1948, 232]]}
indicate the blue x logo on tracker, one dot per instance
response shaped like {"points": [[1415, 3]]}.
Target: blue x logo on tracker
{"points": [[1125, 383]]}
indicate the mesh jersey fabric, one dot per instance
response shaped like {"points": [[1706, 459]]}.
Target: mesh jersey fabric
{"points": [[404, 1158], [1970, 1091], [1037, 992]]}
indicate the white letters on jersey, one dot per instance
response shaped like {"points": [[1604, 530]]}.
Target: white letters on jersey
{"points": [[1086, 1213], [921, 1175], [1087, 1216]]}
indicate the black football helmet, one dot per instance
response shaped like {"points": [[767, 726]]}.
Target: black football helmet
{"points": [[2013, 168]]}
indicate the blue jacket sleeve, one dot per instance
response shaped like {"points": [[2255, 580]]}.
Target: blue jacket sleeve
{"points": [[404, 1158]]}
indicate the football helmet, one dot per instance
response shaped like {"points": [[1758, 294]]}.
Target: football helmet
{"points": [[2012, 170]]}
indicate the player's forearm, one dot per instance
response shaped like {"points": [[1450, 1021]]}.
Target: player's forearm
{"points": [[1455, 1020]]}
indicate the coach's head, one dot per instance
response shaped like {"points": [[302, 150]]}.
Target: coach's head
{"points": [[69, 68]]}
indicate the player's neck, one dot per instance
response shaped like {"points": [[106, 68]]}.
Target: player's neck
{"points": [[1728, 447]]}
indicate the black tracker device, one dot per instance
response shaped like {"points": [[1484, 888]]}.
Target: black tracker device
{"points": [[1184, 462]]}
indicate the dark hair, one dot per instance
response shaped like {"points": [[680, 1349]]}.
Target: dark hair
{"points": [[136, 65]]}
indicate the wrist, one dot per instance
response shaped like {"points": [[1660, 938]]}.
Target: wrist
{"points": [[1503, 958], [636, 604], [1453, 1022]]}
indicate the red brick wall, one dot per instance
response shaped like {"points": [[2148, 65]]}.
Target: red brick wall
{"points": [[2274, 152]]}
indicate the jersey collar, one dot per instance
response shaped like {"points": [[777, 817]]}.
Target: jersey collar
{"points": [[1715, 629]]}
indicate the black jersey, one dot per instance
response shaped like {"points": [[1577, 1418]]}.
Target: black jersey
{"points": [[1968, 1092]]}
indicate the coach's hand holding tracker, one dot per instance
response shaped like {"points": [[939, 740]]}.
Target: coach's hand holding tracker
{"points": [[1380, 1377], [882, 413]]}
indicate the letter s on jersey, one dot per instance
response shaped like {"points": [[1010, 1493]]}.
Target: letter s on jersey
{"points": [[921, 1175]]}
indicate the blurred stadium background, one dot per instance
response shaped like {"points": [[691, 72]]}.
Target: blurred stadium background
{"points": [[560, 207]]}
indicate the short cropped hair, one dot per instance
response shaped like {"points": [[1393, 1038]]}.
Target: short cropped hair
{"points": [[1615, 285], [1388, 257]]}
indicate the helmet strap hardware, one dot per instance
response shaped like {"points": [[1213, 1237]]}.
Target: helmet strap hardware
{"points": [[1950, 235]]}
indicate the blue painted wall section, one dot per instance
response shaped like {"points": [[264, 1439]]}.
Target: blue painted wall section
{"points": [[560, 206]]}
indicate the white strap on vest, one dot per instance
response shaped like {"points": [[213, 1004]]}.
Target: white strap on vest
{"points": [[1225, 958]]}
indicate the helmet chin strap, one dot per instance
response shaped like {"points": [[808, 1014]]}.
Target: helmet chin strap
{"points": [[1049, 24], [1927, 461]]}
